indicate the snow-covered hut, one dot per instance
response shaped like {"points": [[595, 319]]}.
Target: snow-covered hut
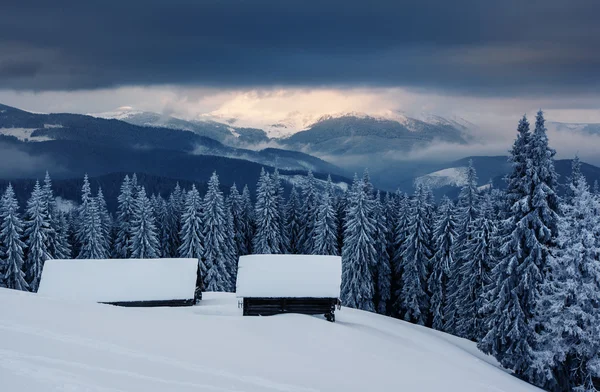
{"points": [[123, 282], [273, 284]]}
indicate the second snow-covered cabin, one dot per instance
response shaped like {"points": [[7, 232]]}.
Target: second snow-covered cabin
{"points": [[274, 284], [123, 282]]}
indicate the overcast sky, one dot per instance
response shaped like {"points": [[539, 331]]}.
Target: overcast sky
{"points": [[487, 61]]}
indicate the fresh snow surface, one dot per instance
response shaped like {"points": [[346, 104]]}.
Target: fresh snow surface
{"points": [[23, 134], [56, 345], [289, 276], [454, 176], [115, 280]]}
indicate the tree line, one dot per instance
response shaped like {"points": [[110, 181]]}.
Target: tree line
{"points": [[517, 270]]}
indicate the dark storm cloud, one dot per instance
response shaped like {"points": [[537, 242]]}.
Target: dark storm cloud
{"points": [[472, 46]]}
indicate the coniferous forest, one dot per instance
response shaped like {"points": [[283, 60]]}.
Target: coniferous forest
{"points": [[515, 270]]}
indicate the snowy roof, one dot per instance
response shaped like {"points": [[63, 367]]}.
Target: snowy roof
{"points": [[119, 280], [289, 276]]}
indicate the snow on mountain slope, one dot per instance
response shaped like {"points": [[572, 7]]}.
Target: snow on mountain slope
{"points": [[48, 345], [454, 176], [24, 134]]}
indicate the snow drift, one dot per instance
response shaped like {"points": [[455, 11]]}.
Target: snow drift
{"points": [[51, 344]]}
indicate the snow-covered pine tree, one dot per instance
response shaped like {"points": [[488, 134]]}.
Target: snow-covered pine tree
{"points": [[569, 353], [124, 216], [36, 234], [325, 232], [51, 212], [63, 247], [382, 272], [280, 200], [294, 222], [476, 273], [573, 179], [267, 239], [231, 252], [310, 197], [105, 220], [520, 273], [144, 239], [249, 218], [191, 229], [468, 211], [215, 259], [596, 189], [341, 201], [416, 256], [236, 209], [401, 234], [170, 233], [161, 217], [358, 254], [11, 245], [390, 211], [444, 234], [90, 234]]}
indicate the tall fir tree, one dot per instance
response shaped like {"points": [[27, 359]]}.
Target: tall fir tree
{"points": [[144, 239], [236, 209], [280, 200], [325, 232], [52, 212], [191, 227], [11, 245], [310, 199], [401, 233], [267, 239], [215, 259], [358, 254], [63, 246], [231, 251], [443, 261], [105, 220], [568, 357], [249, 218], [126, 201], [531, 229], [476, 273], [417, 253], [294, 222], [468, 211], [170, 233], [382, 272], [90, 233], [37, 228]]}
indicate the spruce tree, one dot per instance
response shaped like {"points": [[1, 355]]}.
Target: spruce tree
{"points": [[126, 202], [468, 212], [476, 273], [282, 219], [569, 353], [62, 245], [215, 259], [105, 220], [11, 245], [443, 261], [294, 222], [37, 228], [401, 232], [531, 230], [267, 239], [325, 232], [382, 272], [236, 208], [250, 226], [144, 239], [90, 232], [231, 252], [310, 198], [358, 254], [170, 233], [52, 212], [191, 230], [416, 255]]}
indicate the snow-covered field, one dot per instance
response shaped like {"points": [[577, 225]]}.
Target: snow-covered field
{"points": [[55, 345]]}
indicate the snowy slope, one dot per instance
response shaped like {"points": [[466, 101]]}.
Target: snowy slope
{"points": [[453, 176], [53, 345]]}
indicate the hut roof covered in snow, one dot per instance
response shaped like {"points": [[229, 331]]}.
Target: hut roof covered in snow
{"points": [[120, 280], [289, 276]]}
